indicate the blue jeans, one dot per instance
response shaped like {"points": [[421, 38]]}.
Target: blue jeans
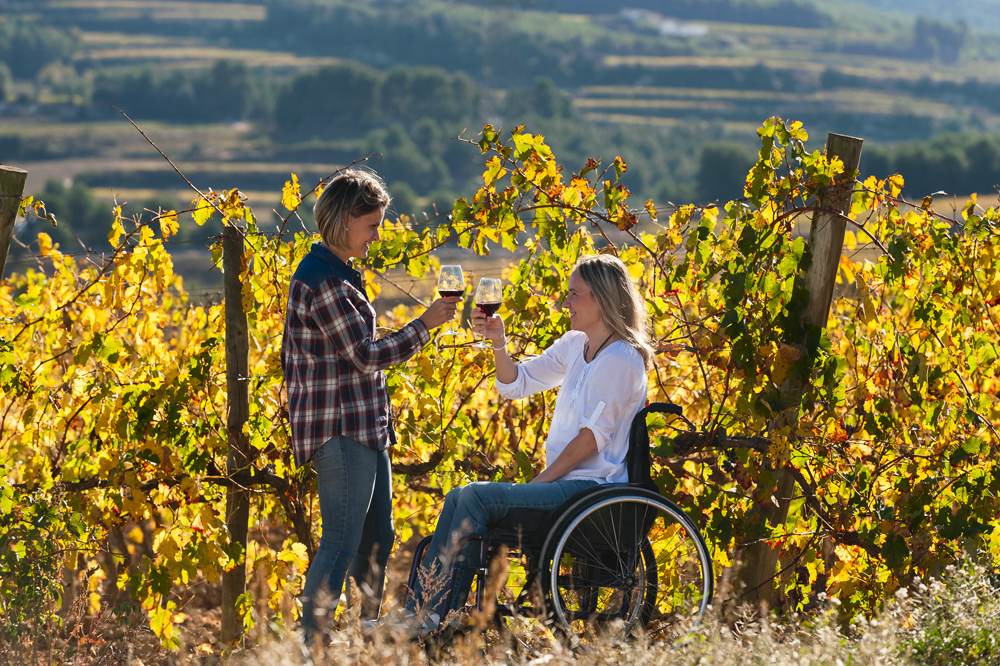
{"points": [[469, 509], [355, 502]]}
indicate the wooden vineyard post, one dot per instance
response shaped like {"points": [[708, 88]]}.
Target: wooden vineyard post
{"points": [[826, 243], [12, 182], [238, 412]]}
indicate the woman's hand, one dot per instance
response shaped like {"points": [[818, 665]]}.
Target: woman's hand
{"points": [[491, 328], [440, 311]]}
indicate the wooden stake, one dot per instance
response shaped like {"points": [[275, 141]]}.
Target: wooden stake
{"points": [[234, 582], [12, 182], [826, 244]]}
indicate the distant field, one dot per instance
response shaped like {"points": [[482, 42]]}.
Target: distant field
{"points": [[653, 104], [606, 103], [816, 62], [260, 200], [117, 48], [196, 55], [160, 10], [118, 39]]}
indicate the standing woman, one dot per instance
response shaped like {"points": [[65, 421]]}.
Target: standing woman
{"points": [[337, 399]]}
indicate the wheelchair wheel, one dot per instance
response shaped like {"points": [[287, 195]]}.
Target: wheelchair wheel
{"points": [[626, 562]]}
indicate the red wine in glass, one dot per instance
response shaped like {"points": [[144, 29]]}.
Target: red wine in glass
{"points": [[489, 309], [451, 282], [489, 296]]}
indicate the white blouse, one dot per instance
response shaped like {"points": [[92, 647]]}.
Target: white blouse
{"points": [[603, 395]]}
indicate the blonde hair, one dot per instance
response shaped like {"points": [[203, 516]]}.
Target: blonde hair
{"points": [[351, 193], [623, 310]]}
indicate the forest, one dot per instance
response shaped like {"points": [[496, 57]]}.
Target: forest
{"points": [[441, 68]]}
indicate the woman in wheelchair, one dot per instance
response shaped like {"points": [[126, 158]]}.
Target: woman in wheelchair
{"points": [[600, 366]]}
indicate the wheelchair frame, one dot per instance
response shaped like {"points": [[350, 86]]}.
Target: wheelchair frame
{"points": [[538, 547]]}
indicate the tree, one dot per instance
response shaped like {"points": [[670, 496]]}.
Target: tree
{"points": [[722, 171], [27, 47], [939, 39], [542, 99], [6, 82]]}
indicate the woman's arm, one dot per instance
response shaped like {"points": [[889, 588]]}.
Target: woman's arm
{"points": [[335, 309], [506, 368], [579, 449], [519, 380], [492, 328]]}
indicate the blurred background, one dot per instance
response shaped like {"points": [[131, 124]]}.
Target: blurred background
{"points": [[241, 94]]}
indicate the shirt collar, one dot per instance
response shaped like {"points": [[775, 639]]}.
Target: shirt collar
{"points": [[341, 268]]}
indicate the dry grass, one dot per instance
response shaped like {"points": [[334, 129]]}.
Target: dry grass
{"points": [[951, 621], [816, 639], [955, 620]]}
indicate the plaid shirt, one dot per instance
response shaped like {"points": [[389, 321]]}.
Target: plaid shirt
{"points": [[333, 361]]}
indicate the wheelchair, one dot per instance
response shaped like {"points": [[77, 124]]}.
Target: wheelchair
{"points": [[612, 560]]}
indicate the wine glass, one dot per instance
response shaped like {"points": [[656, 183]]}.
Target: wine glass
{"points": [[489, 296], [451, 282]]}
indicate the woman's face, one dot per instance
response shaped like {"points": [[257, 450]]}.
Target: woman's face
{"points": [[584, 313], [362, 232]]}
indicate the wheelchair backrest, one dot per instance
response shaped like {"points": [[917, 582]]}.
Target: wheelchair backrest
{"points": [[638, 460]]}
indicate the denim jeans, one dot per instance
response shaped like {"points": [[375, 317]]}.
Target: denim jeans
{"points": [[355, 501], [469, 509]]}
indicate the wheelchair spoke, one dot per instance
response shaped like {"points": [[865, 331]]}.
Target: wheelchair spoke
{"points": [[627, 563]]}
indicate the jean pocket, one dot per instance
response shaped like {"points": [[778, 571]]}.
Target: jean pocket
{"points": [[323, 451]]}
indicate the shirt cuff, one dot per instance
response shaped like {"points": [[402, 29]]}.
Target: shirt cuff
{"points": [[506, 390], [591, 423], [423, 333]]}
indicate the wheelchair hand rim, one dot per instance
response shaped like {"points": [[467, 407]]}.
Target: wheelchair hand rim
{"points": [[659, 504]]}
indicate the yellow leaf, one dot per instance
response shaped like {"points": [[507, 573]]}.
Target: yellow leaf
{"points": [[859, 450], [847, 268], [869, 311], [25, 205], [426, 368], [166, 545], [291, 194], [895, 183], [850, 240], [162, 624], [681, 216], [371, 286], [117, 231], [651, 209], [168, 224], [779, 369], [44, 244], [94, 318], [970, 206], [494, 171], [202, 211]]}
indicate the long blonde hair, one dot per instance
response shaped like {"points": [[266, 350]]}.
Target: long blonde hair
{"points": [[623, 310]]}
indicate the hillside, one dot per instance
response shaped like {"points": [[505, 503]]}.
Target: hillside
{"points": [[981, 15], [243, 93]]}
